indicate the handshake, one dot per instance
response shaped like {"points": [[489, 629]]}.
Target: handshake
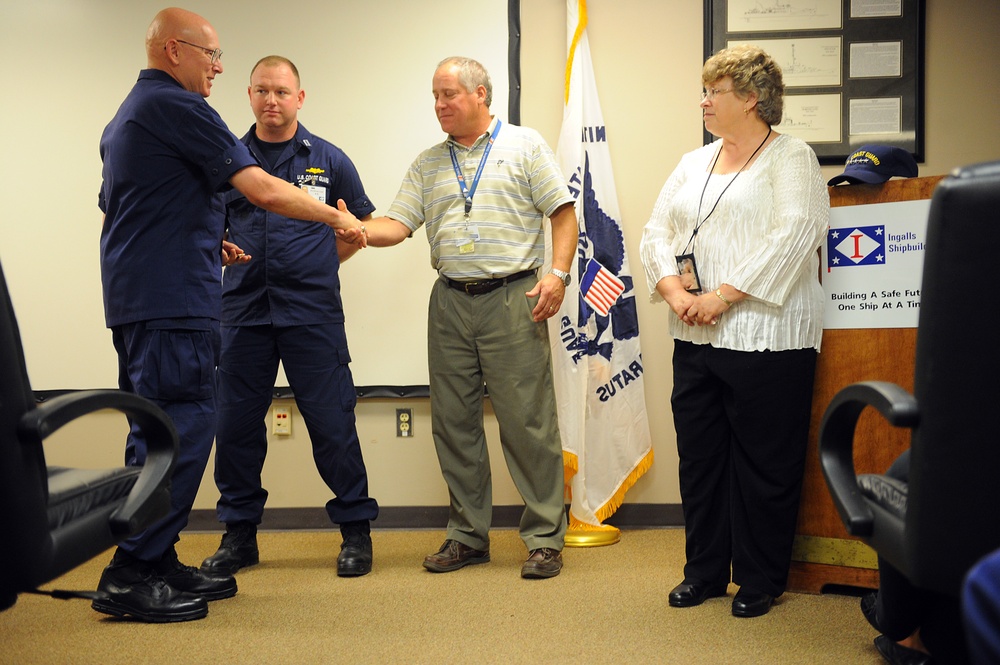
{"points": [[347, 226]]}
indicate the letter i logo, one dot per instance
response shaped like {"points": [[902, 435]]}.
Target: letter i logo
{"points": [[857, 246]]}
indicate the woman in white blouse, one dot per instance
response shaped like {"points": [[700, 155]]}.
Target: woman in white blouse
{"points": [[746, 215]]}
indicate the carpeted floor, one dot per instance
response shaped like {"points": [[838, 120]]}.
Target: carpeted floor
{"points": [[608, 606]]}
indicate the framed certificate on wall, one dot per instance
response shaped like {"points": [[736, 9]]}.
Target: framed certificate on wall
{"points": [[853, 69]]}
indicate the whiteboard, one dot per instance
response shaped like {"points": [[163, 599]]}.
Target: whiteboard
{"points": [[366, 68]]}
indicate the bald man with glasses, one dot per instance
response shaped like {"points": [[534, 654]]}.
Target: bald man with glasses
{"points": [[166, 155], [214, 53]]}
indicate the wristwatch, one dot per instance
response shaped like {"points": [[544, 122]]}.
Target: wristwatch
{"points": [[564, 276]]}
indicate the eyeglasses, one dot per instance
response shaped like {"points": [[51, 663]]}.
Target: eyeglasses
{"points": [[215, 54], [712, 93]]}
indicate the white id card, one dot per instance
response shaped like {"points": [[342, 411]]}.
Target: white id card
{"points": [[318, 193], [466, 242]]}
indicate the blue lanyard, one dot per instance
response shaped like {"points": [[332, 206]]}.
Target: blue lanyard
{"points": [[467, 192]]}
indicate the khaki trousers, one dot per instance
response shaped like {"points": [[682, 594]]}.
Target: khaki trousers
{"points": [[491, 339]]}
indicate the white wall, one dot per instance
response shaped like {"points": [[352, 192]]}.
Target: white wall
{"points": [[364, 67]]}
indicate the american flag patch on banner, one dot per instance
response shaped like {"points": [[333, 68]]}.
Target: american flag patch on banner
{"points": [[600, 287]]}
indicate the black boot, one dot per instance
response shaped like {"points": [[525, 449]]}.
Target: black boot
{"points": [[356, 551], [133, 588], [210, 586], [237, 550]]}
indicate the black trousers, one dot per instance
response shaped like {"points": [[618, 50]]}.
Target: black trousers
{"points": [[903, 608], [742, 422]]}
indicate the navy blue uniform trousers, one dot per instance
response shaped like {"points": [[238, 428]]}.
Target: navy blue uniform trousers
{"points": [[172, 363], [742, 421], [315, 359]]}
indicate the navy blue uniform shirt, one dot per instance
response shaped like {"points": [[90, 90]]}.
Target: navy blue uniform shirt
{"points": [[166, 155], [292, 278]]}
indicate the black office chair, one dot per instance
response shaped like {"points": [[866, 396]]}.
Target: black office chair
{"points": [[936, 526], [52, 519]]}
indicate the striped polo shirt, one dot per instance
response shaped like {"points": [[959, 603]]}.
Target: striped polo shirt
{"points": [[520, 184]]}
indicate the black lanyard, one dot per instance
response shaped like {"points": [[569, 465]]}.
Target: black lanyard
{"points": [[705, 187]]}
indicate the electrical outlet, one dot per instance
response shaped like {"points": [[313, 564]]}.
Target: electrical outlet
{"points": [[281, 421], [404, 422]]}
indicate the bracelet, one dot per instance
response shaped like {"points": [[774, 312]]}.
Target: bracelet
{"points": [[723, 298]]}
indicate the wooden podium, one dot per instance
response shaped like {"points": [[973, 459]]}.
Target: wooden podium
{"points": [[824, 554]]}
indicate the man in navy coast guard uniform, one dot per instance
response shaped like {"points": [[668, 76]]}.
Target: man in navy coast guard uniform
{"points": [[285, 305], [166, 154]]}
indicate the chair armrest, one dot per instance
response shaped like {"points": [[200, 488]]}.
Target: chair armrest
{"points": [[162, 444], [836, 443]]}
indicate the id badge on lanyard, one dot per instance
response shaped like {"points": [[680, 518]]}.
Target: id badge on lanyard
{"points": [[687, 268], [467, 241]]}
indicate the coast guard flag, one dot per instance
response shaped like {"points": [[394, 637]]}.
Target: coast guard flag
{"points": [[597, 364]]}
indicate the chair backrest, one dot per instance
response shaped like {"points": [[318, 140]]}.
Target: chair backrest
{"points": [[23, 475], [953, 513]]}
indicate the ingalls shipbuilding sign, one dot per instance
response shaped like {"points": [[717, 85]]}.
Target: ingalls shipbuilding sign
{"points": [[873, 260]]}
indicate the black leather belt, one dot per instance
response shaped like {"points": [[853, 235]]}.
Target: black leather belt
{"points": [[481, 286]]}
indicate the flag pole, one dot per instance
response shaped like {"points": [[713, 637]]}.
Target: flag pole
{"points": [[596, 359]]}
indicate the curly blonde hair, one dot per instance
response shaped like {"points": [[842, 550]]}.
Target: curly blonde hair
{"points": [[752, 71]]}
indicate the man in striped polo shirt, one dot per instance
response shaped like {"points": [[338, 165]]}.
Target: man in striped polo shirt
{"points": [[482, 195]]}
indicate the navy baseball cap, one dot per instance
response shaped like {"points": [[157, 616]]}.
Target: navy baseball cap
{"points": [[875, 164]]}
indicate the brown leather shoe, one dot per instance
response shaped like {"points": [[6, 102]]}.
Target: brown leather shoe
{"points": [[543, 562], [454, 555]]}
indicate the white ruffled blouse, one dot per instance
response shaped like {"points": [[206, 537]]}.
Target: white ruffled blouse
{"points": [[762, 239]]}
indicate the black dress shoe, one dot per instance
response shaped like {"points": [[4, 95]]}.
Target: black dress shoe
{"points": [[897, 654], [355, 557], [689, 594], [751, 603], [868, 609], [133, 588], [238, 549], [209, 586]]}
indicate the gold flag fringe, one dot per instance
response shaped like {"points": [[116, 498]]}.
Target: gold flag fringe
{"points": [[571, 465], [609, 508]]}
